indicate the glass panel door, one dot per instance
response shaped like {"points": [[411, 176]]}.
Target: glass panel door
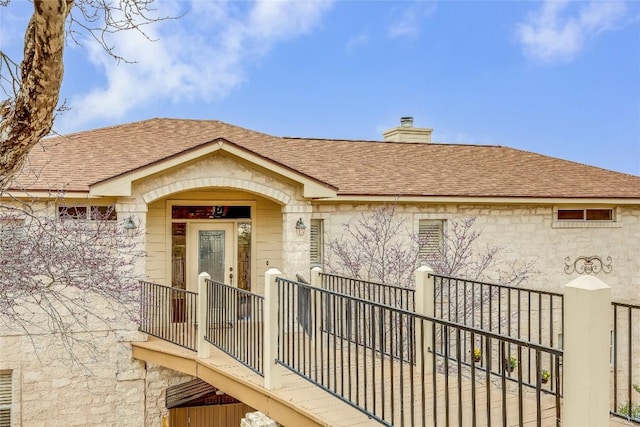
{"points": [[210, 248]]}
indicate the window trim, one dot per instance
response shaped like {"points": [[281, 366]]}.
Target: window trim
{"points": [[614, 222], [88, 214]]}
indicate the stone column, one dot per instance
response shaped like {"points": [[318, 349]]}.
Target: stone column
{"points": [[257, 419], [295, 248], [138, 214], [132, 373]]}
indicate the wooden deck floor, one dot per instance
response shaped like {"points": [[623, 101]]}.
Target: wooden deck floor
{"points": [[400, 394], [299, 402]]}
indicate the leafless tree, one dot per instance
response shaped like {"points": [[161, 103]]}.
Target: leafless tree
{"points": [[61, 272], [376, 248], [32, 87], [462, 256], [380, 247], [66, 274]]}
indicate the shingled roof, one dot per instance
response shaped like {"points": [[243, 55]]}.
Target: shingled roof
{"points": [[366, 168]]}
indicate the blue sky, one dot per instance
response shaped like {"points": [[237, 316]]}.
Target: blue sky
{"points": [[553, 77]]}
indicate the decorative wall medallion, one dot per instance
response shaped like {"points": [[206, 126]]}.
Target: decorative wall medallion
{"points": [[588, 265]]}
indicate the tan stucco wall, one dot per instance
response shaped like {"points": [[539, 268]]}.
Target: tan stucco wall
{"points": [[218, 178], [267, 231]]}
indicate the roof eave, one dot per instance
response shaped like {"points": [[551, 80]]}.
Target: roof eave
{"points": [[122, 185], [502, 200]]}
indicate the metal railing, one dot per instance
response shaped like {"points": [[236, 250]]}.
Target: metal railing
{"points": [[403, 390], [235, 319], [169, 313], [530, 315], [391, 295], [625, 359], [399, 346]]}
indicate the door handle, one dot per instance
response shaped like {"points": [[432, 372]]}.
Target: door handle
{"points": [[231, 275]]}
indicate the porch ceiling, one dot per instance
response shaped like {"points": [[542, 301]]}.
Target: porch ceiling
{"points": [[195, 393]]}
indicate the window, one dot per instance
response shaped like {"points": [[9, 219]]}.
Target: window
{"points": [[9, 222], [80, 212], [5, 399], [431, 237], [595, 214], [586, 217], [179, 254], [316, 242], [210, 212], [244, 256], [72, 212], [107, 213]]}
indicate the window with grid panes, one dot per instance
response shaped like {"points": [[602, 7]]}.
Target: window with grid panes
{"points": [[596, 214], [5, 399], [106, 213]]}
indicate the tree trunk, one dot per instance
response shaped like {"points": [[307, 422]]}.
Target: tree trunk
{"points": [[30, 116]]}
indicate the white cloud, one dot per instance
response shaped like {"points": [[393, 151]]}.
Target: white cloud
{"points": [[356, 42], [200, 56], [559, 29], [407, 21]]}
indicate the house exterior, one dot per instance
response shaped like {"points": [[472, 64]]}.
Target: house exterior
{"points": [[215, 197]]}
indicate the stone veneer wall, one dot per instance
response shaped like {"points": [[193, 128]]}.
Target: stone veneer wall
{"points": [[49, 392], [527, 232], [157, 380], [115, 390]]}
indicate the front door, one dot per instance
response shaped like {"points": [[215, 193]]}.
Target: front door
{"points": [[210, 249]]}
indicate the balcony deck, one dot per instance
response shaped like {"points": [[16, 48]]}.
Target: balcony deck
{"points": [[300, 402], [336, 352]]}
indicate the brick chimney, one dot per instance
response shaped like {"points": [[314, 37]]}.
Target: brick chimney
{"points": [[407, 133]]}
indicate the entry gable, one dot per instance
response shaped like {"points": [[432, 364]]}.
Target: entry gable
{"points": [[122, 185]]}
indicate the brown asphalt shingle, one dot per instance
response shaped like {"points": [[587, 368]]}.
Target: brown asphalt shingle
{"points": [[75, 162]]}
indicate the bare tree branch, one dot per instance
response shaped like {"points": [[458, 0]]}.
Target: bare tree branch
{"points": [[30, 116], [32, 89], [380, 248], [377, 248], [101, 18], [61, 274]]}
